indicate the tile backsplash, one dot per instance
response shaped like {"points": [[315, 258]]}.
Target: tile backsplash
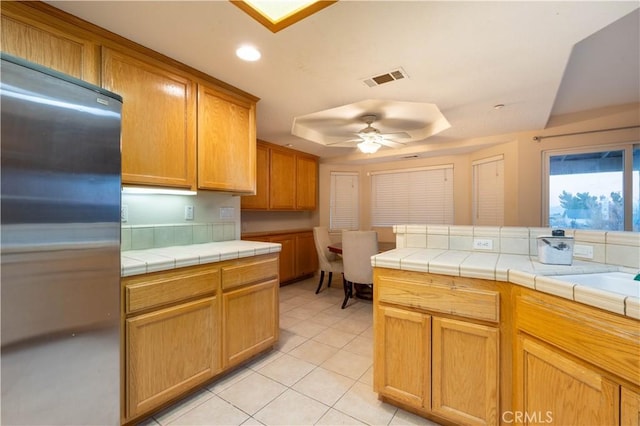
{"points": [[139, 237], [608, 247]]}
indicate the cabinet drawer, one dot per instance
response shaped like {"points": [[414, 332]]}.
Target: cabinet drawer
{"points": [[249, 271], [163, 288], [461, 301]]}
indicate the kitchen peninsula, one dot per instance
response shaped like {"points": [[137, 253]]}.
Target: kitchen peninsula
{"points": [[474, 337]]}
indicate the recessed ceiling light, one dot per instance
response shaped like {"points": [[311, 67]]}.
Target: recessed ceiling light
{"points": [[248, 53], [498, 106]]}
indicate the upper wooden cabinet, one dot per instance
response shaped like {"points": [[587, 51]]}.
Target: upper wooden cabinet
{"points": [[291, 181], [306, 182], [282, 189], [261, 199], [50, 42], [172, 114], [226, 141], [158, 119]]}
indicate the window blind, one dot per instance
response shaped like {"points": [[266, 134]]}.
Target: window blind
{"points": [[344, 202], [412, 196], [488, 191]]}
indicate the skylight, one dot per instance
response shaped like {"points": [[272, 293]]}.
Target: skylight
{"points": [[277, 15]]}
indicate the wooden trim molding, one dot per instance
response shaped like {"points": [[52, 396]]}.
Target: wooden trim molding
{"points": [[285, 21]]}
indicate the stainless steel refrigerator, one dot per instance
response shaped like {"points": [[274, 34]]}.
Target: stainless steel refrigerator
{"points": [[60, 248]]}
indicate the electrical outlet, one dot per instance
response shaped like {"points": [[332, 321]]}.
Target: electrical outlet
{"points": [[480, 244], [188, 212], [227, 212], [124, 213], [584, 251]]}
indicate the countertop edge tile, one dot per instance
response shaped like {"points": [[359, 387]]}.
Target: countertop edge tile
{"points": [[137, 262], [555, 287], [608, 301], [632, 307]]}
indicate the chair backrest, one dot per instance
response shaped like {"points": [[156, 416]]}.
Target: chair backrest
{"points": [[357, 249], [322, 241]]}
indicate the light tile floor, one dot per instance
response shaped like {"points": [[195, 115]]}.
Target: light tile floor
{"points": [[320, 373]]}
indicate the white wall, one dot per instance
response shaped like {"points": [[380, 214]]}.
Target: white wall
{"points": [[523, 164]]}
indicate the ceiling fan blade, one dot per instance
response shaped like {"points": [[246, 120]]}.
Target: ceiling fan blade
{"points": [[390, 144], [347, 141], [397, 135]]}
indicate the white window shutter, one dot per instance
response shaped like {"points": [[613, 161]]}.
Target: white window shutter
{"points": [[488, 192], [412, 196], [344, 201]]}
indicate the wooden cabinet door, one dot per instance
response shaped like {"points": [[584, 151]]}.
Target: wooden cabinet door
{"points": [[259, 201], [402, 356], [170, 351], [158, 120], [629, 407], [306, 254], [226, 142], [48, 45], [306, 183], [282, 192], [287, 256], [465, 372], [560, 390], [250, 321]]}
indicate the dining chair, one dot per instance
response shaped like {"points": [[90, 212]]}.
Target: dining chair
{"points": [[328, 262], [357, 249]]}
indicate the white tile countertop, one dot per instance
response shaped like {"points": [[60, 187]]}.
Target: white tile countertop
{"points": [[135, 262], [522, 270]]}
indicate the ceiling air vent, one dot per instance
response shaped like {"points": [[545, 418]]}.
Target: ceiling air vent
{"points": [[397, 74]]}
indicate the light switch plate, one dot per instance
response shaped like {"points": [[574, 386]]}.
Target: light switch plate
{"points": [[124, 213], [188, 212]]}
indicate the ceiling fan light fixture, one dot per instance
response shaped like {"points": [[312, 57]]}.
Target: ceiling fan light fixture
{"points": [[368, 147]]}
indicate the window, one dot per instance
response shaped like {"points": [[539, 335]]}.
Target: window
{"points": [[593, 188], [417, 196], [343, 206], [488, 191]]}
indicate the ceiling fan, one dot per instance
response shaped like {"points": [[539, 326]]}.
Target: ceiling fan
{"points": [[371, 139]]}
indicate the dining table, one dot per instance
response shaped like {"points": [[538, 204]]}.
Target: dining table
{"points": [[382, 247]]}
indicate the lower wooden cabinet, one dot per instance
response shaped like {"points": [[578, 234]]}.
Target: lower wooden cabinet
{"points": [[306, 254], [287, 256], [629, 407], [403, 356], [465, 372], [183, 327], [574, 364], [298, 256], [556, 389], [441, 367], [470, 351], [170, 351], [256, 305]]}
